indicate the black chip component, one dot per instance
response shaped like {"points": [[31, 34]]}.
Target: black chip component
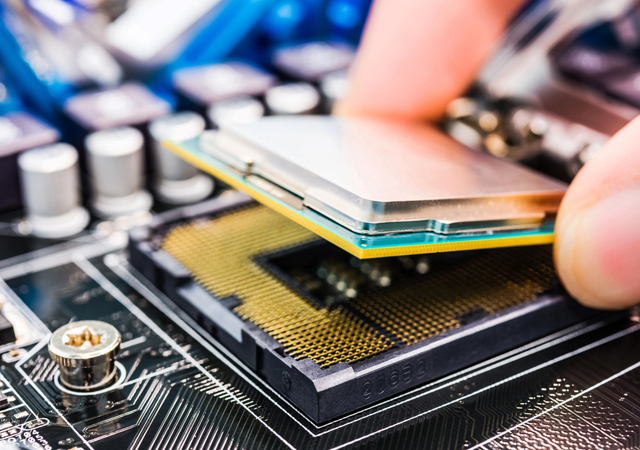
{"points": [[625, 87], [7, 334], [590, 65], [333, 333]]}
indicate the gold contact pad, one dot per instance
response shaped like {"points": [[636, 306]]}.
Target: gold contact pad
{"points": [[221, 256]]}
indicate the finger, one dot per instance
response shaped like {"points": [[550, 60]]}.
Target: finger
{"points": [[598, 228], [417, 55]]}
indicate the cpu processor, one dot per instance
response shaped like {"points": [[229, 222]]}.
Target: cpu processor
{"points": [[380, 188], [333, 333]]}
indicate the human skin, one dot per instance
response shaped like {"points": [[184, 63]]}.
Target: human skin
{"points": [[417, 55]]}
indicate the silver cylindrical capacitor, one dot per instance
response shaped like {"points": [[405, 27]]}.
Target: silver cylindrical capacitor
{"points": [[292, 99], [86, 352], [334, 87], [176, 181], [116, 163], [50, 183], [236, 111]]}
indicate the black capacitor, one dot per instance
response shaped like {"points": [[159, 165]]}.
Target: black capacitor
{"points": [[209, 84], [7, 336], [625, 86], [127, 104], [590, 65], [313, 60]]}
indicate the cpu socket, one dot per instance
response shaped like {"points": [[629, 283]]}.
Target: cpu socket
{"points": [[333, 333]]}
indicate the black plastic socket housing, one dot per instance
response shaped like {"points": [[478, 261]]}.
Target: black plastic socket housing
{"points": [[325, 394]]}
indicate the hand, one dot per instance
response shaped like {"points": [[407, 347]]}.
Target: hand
{"points": [[417, 55]]}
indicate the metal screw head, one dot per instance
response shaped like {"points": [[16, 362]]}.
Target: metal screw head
{"points": [[86, 351], [83, 343], [82, 337]]}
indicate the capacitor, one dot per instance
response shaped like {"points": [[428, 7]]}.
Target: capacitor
{"points": [[292, 99], [176, 181], [86, 352], [236, 111], [334, 87], [116, 165], [50, 183]]}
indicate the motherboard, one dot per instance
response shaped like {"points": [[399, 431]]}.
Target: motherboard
{"points": [[147, 303], [178, 387]]}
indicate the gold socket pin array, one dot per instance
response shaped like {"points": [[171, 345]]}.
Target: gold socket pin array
{"points": [[222, 255]]}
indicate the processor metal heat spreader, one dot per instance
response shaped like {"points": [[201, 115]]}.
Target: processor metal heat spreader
{"points": [[378, 188]]}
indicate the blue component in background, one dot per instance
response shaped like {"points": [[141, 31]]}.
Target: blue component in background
{"points": [[9, 100], [42, 92]]}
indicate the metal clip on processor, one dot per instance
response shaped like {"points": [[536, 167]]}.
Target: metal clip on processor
{"points": [[86, 352]]}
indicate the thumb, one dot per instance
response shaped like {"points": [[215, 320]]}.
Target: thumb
{"points": [[597, 249], [418, 55]]}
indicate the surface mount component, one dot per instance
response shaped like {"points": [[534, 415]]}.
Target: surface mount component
{"points": [[379, 188], [331, 332], [7, 333], [19, 131], [128, 104], [313, 60], [214, 83], [86, 352]]}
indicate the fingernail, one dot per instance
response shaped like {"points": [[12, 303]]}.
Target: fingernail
{"points": [[598, 252]]}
